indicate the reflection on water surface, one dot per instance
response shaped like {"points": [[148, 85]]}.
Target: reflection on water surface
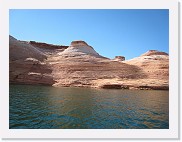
{"points": [[43, 107]]}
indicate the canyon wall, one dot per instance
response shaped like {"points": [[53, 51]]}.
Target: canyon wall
{"points": [[80, 65]]}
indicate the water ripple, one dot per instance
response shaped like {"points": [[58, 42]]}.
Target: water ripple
{"points": [[40, 107]]}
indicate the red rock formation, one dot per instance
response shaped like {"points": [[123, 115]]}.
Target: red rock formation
{"points": [[22, 50], [27, 64], [80, 65]]}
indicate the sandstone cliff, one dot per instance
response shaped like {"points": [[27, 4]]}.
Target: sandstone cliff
{"points": [[20, 50], [27, 64], [80, 65]]}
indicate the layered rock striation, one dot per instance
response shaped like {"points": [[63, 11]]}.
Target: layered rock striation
{"points": [[27, 64], [80, 65]]}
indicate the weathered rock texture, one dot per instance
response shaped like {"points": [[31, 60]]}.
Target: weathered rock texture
{"points": [[20, 50], [27, 64], [80, 65]]}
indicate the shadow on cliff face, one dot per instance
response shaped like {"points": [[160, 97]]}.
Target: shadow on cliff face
{"points": [[120, 70], [26, 64], [134, 72], [21, 72]]}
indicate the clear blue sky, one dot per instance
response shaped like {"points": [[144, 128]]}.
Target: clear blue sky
{"points": [[129, 33]]}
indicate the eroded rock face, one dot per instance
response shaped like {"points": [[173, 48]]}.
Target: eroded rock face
{"points": [[80, 65], [27, 64], [30, 72], [156, 65], [48, 49], [21, 50]]}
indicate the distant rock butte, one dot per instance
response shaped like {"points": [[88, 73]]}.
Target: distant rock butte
{"points": [[81, 66], [79, 43], [119, 58]]}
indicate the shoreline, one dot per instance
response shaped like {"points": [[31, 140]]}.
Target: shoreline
{"points": [[106, 86]]}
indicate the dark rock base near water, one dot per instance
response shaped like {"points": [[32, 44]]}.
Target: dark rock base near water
{"points": [[114, 86]]}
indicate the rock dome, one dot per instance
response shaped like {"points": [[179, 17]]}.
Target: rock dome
{"points": [[78, 48]]}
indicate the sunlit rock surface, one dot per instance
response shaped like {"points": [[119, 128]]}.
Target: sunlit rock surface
{"points": [[80, 65]]}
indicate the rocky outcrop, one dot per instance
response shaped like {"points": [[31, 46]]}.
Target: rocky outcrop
{"points": [[79, 43], [155, 65], [48, 49], [78, 48], [47, 46], [27, 64], [119, 58], [80, 65], [19, 50]]}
